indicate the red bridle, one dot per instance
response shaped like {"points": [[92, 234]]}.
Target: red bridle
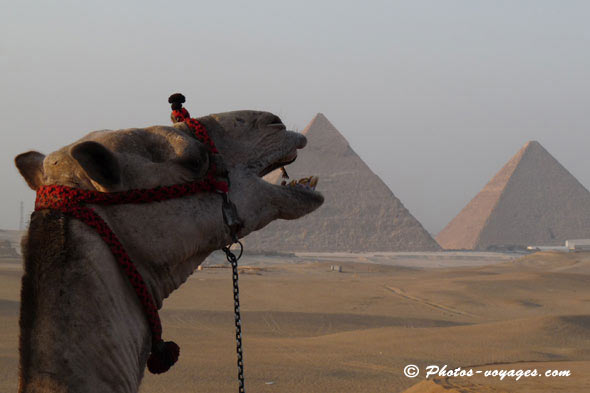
{"points": [[73, 201]]}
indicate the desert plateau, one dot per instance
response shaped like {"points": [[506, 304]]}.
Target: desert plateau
{"points": [[310, 328]]}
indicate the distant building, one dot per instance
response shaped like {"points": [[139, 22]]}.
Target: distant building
{"points": [[578, 245], [547, 248], [6, 250]]}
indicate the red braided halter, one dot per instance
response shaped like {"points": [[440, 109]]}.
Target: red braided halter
{"points": [[72, 201]]}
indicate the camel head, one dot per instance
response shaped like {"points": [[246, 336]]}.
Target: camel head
{"points": [[251, 144], [68, 269], [254, 144]]}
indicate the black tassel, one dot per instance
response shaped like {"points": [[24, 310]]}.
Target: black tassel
{"points": [[176, 98], [164, 355]]}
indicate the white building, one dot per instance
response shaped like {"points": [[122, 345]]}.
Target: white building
{"points": [[578, 244]]}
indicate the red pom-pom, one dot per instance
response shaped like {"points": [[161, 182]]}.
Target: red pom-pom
{"points": [[164, 355]]}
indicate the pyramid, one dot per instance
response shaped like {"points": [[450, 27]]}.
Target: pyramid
{"points": [[533, 200], [360, 213]]}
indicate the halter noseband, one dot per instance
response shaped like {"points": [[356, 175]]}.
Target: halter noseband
{"points": [[72, 201]]}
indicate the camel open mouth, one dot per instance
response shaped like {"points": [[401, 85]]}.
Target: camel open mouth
{"points": [[283, 162], [305, 185]]}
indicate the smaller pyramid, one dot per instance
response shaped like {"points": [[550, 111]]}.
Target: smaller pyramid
{"points": [[360, 213], [532, 200]]}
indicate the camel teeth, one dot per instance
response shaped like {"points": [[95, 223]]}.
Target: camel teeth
{"points": [[314, 181], [308, 183]]}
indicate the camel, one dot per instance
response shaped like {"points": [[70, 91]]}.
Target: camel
{"points": [[81, 326]]}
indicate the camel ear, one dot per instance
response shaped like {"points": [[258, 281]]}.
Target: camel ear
{"points": [[30, 166], [100, 163]]}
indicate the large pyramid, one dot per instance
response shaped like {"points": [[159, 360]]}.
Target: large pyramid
{"points": [[360, 213], [533, 200]]}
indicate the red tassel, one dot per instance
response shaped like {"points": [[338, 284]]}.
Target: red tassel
{"points": [[164, 355]]}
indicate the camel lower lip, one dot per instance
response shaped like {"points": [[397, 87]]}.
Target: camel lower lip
{"points": [[304, 189]]}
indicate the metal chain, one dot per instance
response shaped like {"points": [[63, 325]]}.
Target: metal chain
{"points": [[233, 260]]}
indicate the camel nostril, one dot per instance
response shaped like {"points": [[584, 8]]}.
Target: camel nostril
{"points": [[268, 119]]}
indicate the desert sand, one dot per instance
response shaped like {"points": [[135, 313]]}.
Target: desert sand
{"points": [[310, 329]]}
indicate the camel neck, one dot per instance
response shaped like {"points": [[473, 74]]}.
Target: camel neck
{"points": [[81, 327], [165, 265]]}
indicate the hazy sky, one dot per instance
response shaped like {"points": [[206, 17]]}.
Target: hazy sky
{"points": [[434, 95]]}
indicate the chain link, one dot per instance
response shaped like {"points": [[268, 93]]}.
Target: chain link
{"points": [[233, 260]]}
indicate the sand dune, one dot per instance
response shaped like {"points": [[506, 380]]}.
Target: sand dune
{"points": [[309, 329]]}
